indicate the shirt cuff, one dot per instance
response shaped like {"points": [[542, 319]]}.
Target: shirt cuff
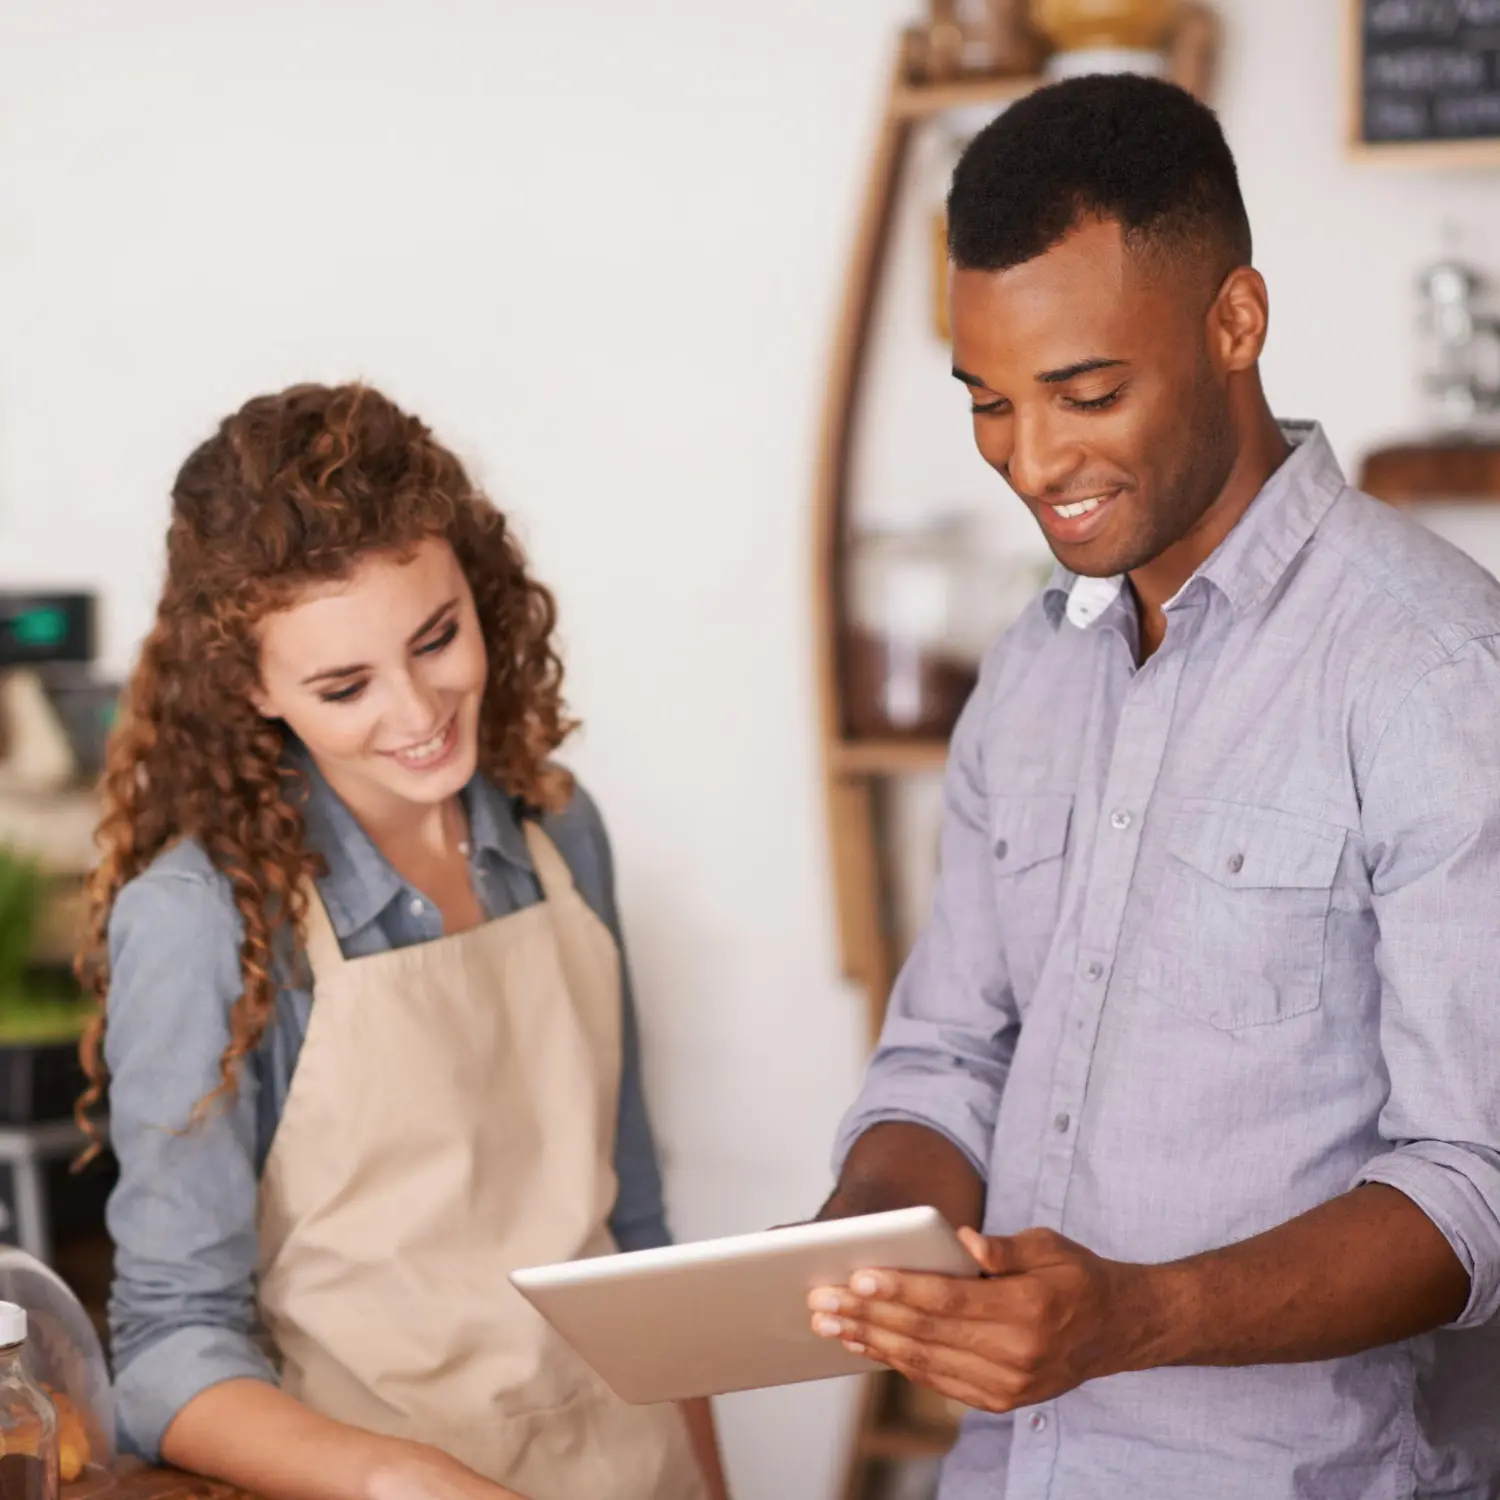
{"points": [[1457, 1188], [163, 1378], [955, 1126]]}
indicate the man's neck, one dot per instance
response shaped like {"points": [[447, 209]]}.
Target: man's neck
{"points": [[1262, 451]]}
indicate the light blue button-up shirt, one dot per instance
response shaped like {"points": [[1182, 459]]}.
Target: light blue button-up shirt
{"points": [[1217, 937], [182, 1307]]}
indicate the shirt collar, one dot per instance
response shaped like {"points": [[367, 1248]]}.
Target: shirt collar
{"points": [[1250, 561], [360, 882]]}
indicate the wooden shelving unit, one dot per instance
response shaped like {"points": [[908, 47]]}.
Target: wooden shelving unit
{"points": [[857, 758], [897, 1423], [890, 1431]]}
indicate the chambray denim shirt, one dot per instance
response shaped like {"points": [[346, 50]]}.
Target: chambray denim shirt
{"points": [[1217, 937], [182, 1308]]}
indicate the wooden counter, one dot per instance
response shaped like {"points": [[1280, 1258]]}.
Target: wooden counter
{"points": [[136, 1482]]}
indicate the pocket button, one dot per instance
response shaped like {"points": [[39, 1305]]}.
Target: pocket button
{"points": [[1236, 863]]}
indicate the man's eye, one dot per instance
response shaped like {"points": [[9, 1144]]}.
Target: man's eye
{"points": [[1099, 403]]}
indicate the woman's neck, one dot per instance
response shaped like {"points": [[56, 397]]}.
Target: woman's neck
{"points": [[402, 829]]}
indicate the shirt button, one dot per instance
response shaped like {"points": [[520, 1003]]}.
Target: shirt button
{"points": [[1039, 1422], [1061, 1123], [1120, 819], [1001, 849], [1093, 970], [417, 907], [1236, 863]]}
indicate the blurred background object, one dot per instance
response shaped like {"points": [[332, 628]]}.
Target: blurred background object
{"points": [[1461, 323], [1102, 36], [1449, 470], [54, 717]]}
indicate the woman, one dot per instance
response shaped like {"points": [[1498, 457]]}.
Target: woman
{"points": [[368, 1040]]}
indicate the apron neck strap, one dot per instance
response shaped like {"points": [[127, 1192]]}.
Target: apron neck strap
{"points": [[551, 868], [323, 951]]}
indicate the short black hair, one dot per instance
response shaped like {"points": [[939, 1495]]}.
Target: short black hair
{"points": [[1138, 151]]}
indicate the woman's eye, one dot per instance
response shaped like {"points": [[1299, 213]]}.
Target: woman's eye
{"points": [[344, 695], [441, 641]]}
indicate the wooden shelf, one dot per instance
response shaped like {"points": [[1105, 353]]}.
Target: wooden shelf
{"points": [[889, 757], [904, 1444], [1443, 470], [921, 101], [56, 828]]}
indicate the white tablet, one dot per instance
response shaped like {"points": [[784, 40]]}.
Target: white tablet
{"points": [[731, 1314]]}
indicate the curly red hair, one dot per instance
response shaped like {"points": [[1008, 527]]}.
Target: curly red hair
{"points": [[291, 489]]}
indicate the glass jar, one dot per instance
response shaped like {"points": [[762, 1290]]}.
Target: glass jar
{"points": [[1099, 36], [1460, 349], [904, 674], [63, 1355], [28, 1420]]}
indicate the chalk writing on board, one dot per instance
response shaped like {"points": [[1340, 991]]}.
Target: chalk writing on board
{"points": [[1431, 70]]}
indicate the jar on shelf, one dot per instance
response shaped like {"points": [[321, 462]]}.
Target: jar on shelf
{"points": [[905, 675], [1104, 36]]}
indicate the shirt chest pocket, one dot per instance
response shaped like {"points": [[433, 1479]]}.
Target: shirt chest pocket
{"points": [[1237, 932], [1028, 842]]}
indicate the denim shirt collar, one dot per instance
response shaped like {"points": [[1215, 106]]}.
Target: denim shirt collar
{"points": [[359, 883]]}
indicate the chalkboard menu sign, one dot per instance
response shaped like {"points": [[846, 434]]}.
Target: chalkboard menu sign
{"points": [[1428, 76]]}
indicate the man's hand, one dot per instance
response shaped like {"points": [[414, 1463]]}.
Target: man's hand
{"points": [[1046, 1316]]}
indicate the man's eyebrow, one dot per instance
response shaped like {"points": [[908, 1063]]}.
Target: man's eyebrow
{"points": [[1072, 372]]}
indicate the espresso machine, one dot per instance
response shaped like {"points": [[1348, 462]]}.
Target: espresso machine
{"points": [[1458, 459]]}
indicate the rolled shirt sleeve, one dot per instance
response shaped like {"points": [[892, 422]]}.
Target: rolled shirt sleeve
{"points": [[1431, 815], [183, 1213], [951, 1027]]}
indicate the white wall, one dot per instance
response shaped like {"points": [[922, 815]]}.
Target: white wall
{"points": [[599, 245]]}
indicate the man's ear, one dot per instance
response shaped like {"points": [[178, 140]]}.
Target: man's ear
{"points": [[1238, 320]]}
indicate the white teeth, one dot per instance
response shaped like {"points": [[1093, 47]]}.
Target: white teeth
{"points": [[427, 750], [1082, 508]]}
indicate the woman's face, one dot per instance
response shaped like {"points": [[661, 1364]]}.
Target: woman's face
{"points": [[381, 675]]}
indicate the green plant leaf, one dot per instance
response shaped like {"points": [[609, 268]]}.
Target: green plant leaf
{"points": [[22, 888]]}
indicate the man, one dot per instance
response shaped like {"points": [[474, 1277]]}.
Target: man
{"points": [[1204, 1031]]}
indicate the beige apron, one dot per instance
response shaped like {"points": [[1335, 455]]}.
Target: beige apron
{"points": [[452, 1117]]}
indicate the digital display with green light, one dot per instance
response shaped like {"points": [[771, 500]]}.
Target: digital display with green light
{"points": [[36, 629], [45, 626]]}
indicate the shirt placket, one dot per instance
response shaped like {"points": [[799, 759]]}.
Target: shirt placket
{"points": [[1134, 768]]}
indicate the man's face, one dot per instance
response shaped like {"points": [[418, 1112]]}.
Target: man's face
{"points": [[1095, 396]]}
